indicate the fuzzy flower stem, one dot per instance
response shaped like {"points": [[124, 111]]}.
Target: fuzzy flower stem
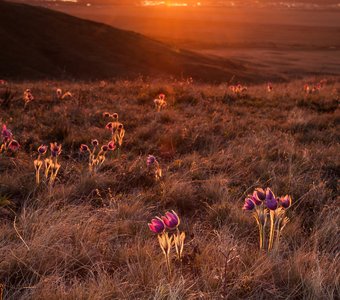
{"points": [[258, 222], [261, 235], [277, 229], [37, 177], [272, 229], [264, 234], [165, 243], [168, 265]]}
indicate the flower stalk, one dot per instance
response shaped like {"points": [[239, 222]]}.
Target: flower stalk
{"points": [[97, 155], [9, 144], [154, 168], [160, 102], [173, 237], [50, 164], [117, 130], [265, 206]]}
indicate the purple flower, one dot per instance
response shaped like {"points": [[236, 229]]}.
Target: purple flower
{"points": [[105, 148], [150, 160], [14, 145], [260, 194], [255, 199], [157, 225], [95, 142], [171, 220], [286, 201], [271, 201], [111, 145], [6, 133], [248, 204], [84, 148], [42, 149], [55, 149], [109, 126]]}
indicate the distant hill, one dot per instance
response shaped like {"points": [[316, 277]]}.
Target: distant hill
{"points": [[40, 43], [235, 3]]}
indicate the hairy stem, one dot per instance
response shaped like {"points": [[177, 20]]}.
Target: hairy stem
{"points": [[272, 230]]}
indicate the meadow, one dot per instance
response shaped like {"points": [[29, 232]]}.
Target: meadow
{"points": [[86, 236]]}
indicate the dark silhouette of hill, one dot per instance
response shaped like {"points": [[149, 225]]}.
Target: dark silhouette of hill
{"points": [[40, 43]]}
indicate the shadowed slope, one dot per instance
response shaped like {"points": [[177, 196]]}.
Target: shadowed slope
{"points": [[41, 43]]}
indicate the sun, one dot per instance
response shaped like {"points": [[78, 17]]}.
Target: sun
{"points": [[170, 3]]}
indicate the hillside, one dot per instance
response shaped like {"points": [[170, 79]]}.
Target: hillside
{"points": [[40, 43]]}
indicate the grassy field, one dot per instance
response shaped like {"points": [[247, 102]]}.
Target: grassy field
{"points": [[86, 237]]}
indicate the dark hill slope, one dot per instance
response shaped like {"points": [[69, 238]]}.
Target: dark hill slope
{"points": [[40, 43]]}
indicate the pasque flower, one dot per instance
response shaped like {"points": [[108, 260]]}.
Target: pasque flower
{"points": [[265, 205], [117, 131], [154, 168], [109, 126], [260, 194], [255, 199], [8, 143], [150, 160], [271, 201], [39, 162], [166, 241], [111, 145], [42, 149], [157, 225], [248, 204], [84, 148], [160, 102], [95, 142], [285, 201], [171, 220], [96, 154], [13, 145], [6, 133], [51, 165], [55, 149]]}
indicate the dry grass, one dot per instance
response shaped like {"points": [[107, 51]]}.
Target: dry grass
{"points": [[88, 236]]}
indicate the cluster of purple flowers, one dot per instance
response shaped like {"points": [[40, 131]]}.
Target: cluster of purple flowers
{"points": [[159, 225], [169, 221], [267, 198], [268, 210], [116, 128], [54, 147], [49, 164], [97, 155], [7, 140], [111, 146]]}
